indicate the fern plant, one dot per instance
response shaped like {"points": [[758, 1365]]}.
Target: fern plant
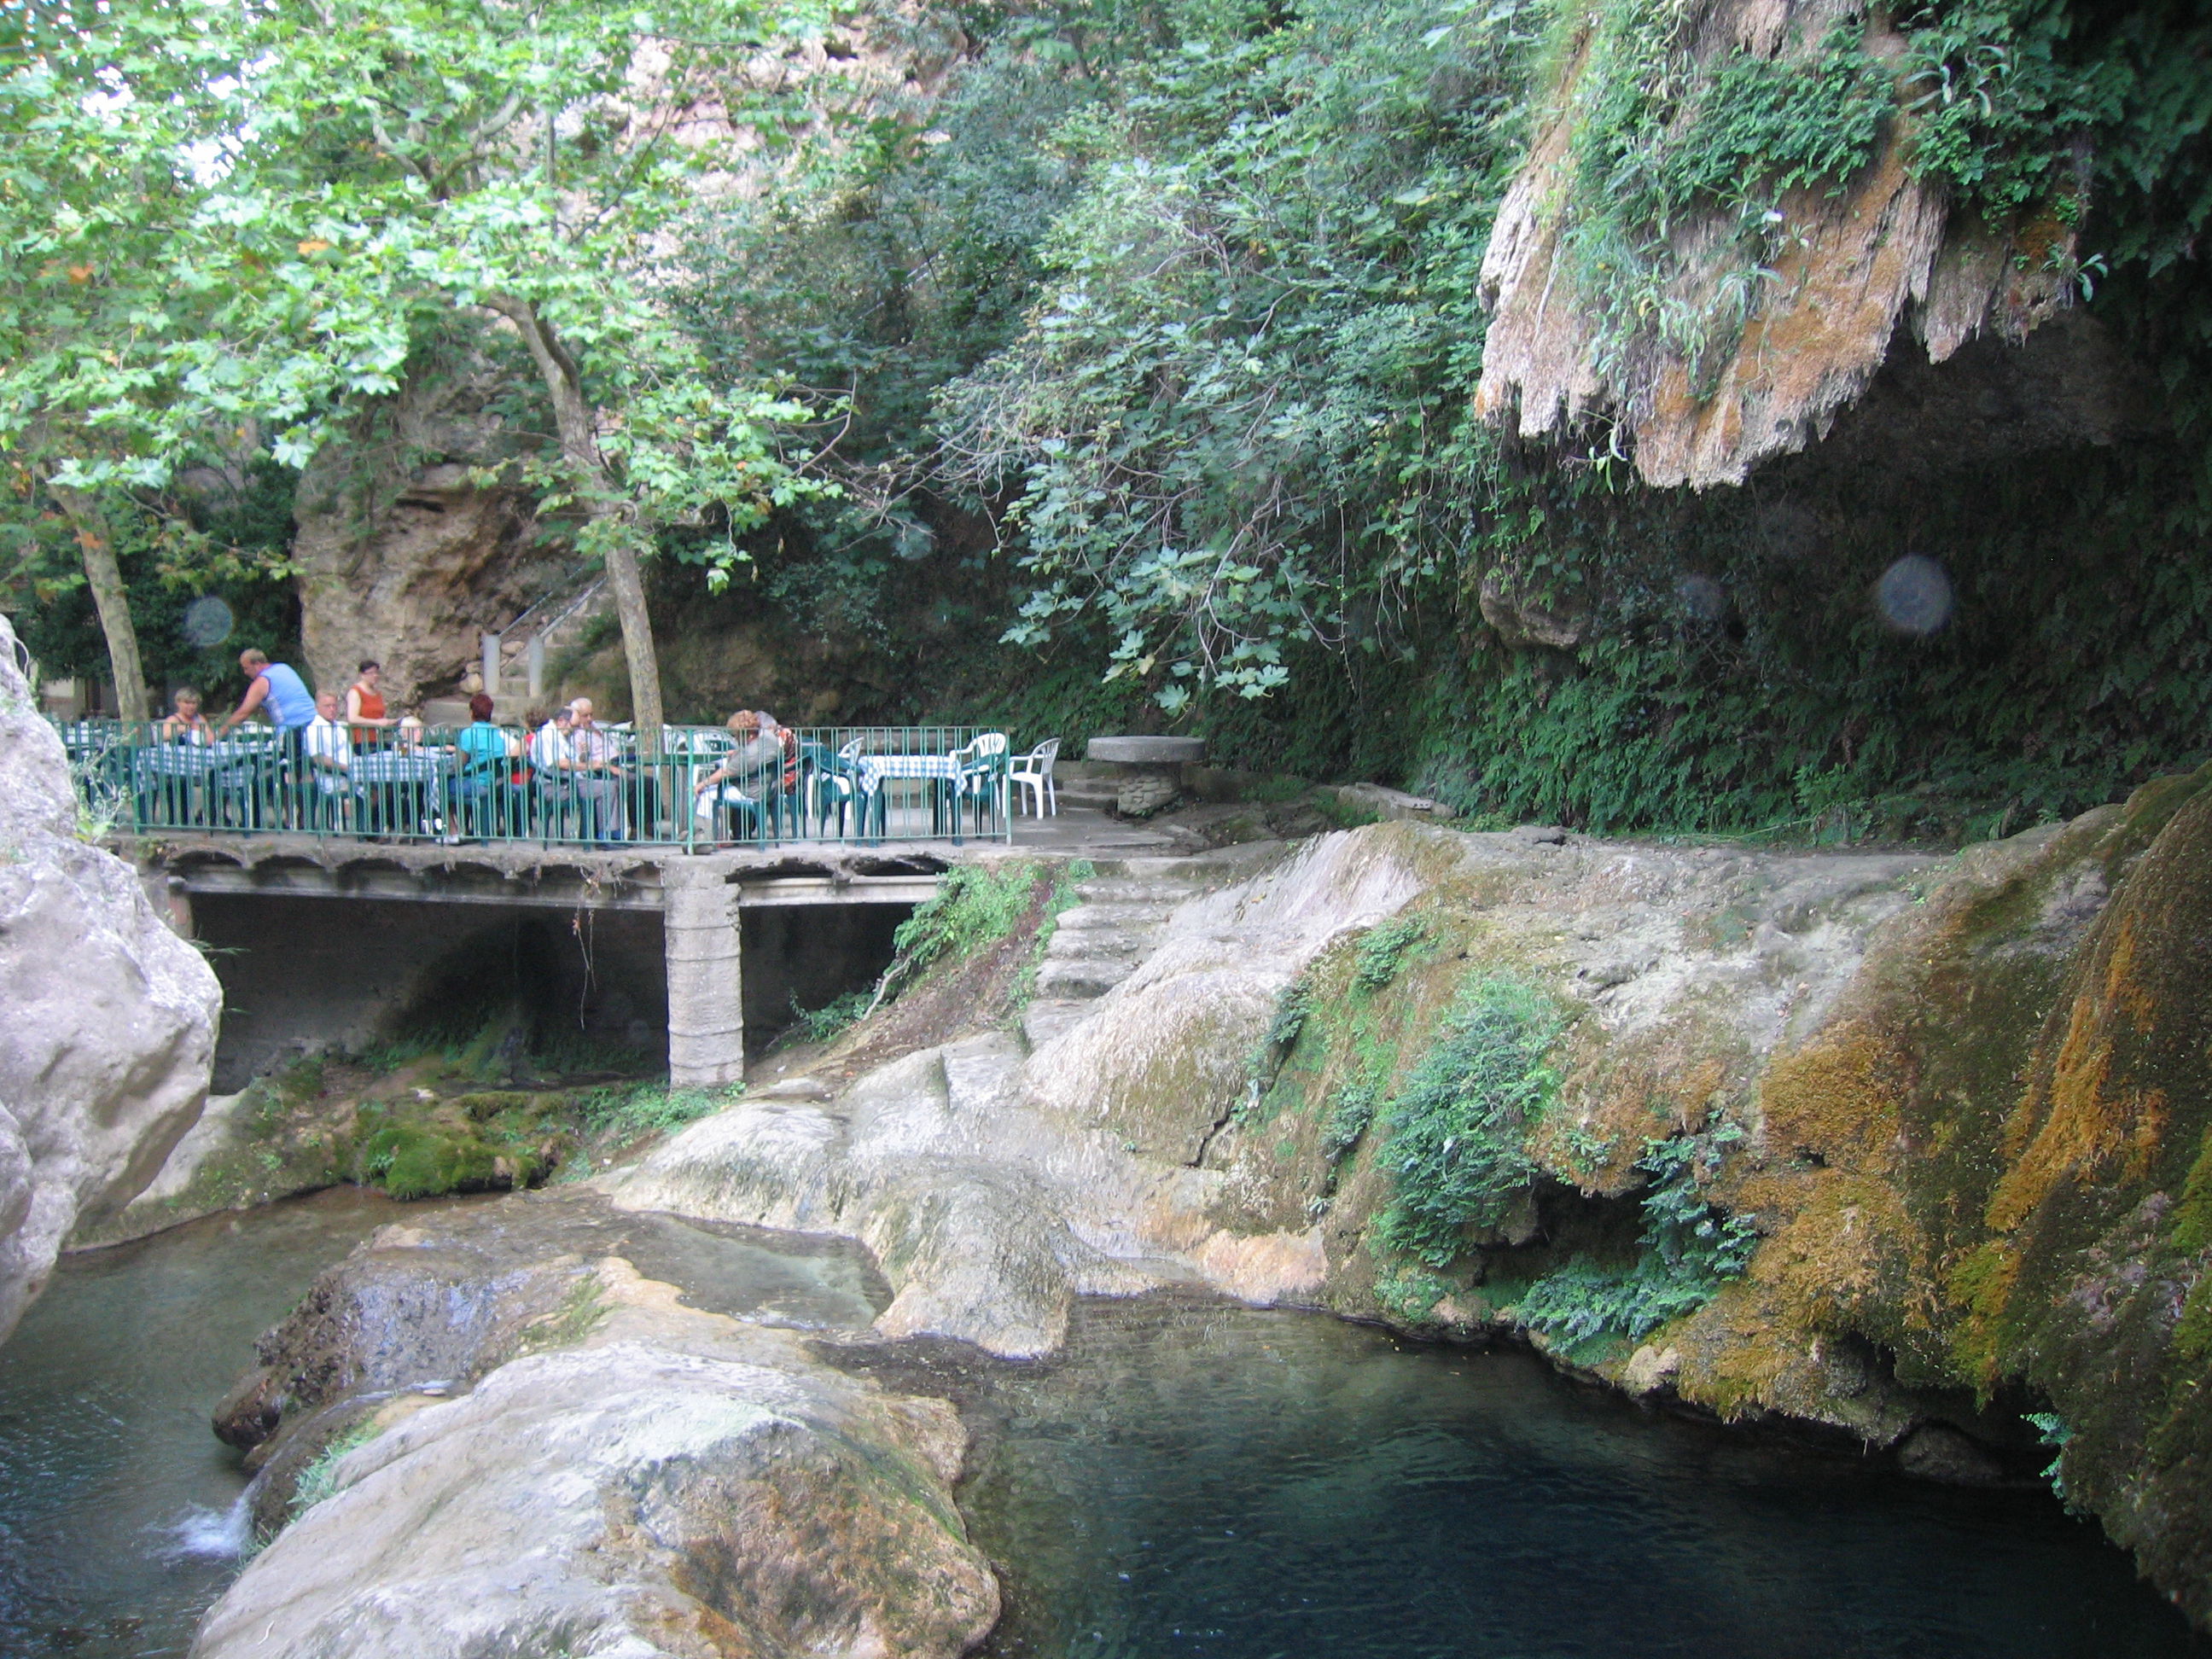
{"points": [[1459, 1126], [1689, 1248]]}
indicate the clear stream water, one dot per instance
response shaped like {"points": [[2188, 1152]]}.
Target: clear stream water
{"points": [[1188, 1480]]}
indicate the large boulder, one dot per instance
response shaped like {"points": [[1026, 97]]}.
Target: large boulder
{"points": [[111, 1018], [515, 1449]]}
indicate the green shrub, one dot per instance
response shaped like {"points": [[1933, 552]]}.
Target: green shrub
{"points": [[1688, 1250], [1382, 950], [832, 1019], [1460, 1123], [974, 908], [649, 1108], [1350, 1113]]}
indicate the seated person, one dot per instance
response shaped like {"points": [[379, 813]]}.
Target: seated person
{"points": [[582, 758], [598, 765], [485, 749], [748, 770], [788, 740], [486, 756], [409, 734], [328, 749], [186, 724], [548, 744]]}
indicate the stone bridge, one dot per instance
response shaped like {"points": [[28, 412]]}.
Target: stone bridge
{"points": [[321, 941]]}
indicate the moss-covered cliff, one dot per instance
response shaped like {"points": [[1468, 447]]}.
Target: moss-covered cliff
{"points": [[1901, 1148], [1939, 1160]]}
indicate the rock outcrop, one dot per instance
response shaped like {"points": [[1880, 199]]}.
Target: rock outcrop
{"points": [[1110, 1148], [1854, 266], [403, 554], [111, 1018], [550, 1454], [1954, 1110]]}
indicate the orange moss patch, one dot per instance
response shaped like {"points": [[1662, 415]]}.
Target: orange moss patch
{"points": [[1844, 1257], [1839, 1097], [2079, 1118], [1735, 1353]]}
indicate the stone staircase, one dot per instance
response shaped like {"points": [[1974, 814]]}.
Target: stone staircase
{"points": [[1099, 942], [1086, 783]]}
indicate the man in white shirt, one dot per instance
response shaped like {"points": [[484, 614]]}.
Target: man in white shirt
{"points": [[328, 750], [595, 775], [548, 744], [576, 765]]}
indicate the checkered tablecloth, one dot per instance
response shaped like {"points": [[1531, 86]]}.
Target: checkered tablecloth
{"points": [[200, 760], [399, 766], [873, 769]]}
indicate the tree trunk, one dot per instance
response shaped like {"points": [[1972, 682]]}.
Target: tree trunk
{"points": [[579, 445], [105, 577]]}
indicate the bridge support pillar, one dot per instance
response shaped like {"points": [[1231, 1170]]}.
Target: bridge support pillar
{"points": [[705, 984]]}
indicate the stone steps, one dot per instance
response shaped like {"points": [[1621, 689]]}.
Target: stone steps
{"points": [[1103, 916], [1099, 942]]}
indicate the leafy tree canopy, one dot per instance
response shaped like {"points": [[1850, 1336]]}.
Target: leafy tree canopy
{"points": [[229, 227]]}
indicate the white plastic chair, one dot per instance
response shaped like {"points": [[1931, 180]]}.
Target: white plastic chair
{"points": [[1033, 772]]}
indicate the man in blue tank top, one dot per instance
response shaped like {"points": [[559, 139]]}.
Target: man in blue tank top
{"points": [[275, 687]]}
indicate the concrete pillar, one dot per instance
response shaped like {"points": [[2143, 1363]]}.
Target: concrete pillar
{"points": [[491, 646], [706, 984]]}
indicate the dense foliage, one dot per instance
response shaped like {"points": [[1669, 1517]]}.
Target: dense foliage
{"points": [[1460, 1122], [1151, 332], [1184, 316], [1688, 1249]]}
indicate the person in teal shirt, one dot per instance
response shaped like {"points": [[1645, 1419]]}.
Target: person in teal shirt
{"points": [[487, 756], [276, 688]]}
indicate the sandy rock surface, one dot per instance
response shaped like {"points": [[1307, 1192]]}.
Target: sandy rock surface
{"points": [[111, 1018]]}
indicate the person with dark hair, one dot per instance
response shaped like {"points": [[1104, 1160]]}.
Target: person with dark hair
{"points": [[486, 758], [365, 709], [276, 688]]}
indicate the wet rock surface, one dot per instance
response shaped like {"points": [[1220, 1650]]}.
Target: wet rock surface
{"points": [[111, 1018], [550, 1453], [1958, 1101]]}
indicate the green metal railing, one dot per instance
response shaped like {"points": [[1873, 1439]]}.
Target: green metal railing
{"points": [[854, 785]]}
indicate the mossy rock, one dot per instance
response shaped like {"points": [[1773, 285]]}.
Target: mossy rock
{"points": [[471, 1143]]}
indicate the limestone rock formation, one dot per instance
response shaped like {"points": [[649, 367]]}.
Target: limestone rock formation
{"points": [[994, 1187], [111, 1018], [604, 1471], [402, 555], [1958, 1107], [1853, 271]]}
